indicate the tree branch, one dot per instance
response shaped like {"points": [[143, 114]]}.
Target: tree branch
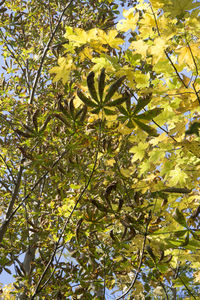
{"points": [[38, 289], [4, 226], [37, 76], [140, 263]]}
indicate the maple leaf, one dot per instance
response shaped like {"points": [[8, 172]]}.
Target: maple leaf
{"points": [[63, 70], [140, 47], [186, 56], [177, 176], [157, 50], [110, 38], [130, 22]]}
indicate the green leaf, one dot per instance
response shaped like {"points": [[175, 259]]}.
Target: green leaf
{"points": [[179, 217], [85, 99], [91, 87], [193, 129], [101, 83], [142, 102], [150, 114], [123, 111], [71, 107], [113, 88], [118, 101], [109, 112], [151, 131]]}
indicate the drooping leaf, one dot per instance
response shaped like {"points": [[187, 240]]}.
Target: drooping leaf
{"points": [[179, 217], [150, 114], [142, 102], [85, 99], [113, 88], [91, 86], [117, 101], [151, 131], [101, 83]]}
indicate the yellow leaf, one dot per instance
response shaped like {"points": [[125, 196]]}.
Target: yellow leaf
{"points": [[193, 146], [157, 50], [139, 151], [185, 55], [140, 47], [63, 70], [141, 79], [130, 22], [110, 38], [197, 277], [125, 172], [177, 176], [110, 162]]}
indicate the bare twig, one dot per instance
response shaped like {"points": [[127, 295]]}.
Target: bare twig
{"points": [[140, 263], [46, 49], [8, 168]]}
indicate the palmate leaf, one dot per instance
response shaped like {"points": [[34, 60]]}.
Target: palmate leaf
{"points": [[179, 217], [109, 112], [85, 99], [91, 87], [113, 88], [194, 129], [118, 101], [150, 114], [142, 102], [151, 131], [101, 84]]}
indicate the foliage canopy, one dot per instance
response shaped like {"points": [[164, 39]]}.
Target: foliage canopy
{"points": [[100, 149]]}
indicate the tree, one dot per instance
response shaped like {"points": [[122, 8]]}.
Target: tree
{"points": [[100, 149]]}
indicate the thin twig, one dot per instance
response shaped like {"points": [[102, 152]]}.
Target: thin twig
{"points": [[38, 289], [12, 52], [10, 215], [50, 20], [189, 291], [140, 263], [9, 170], [46, 49], [164, 289], [177, 73], [4, 226]]}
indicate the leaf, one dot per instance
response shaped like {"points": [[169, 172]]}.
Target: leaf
{"points": [[142, 102], [109, 112], [150, 114], [91, 87], [113, 88], [101, 83], [85, 99], [130, 22], [71, 107], [118, 101], [193, 129], [179, 217], [151, 131]]}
